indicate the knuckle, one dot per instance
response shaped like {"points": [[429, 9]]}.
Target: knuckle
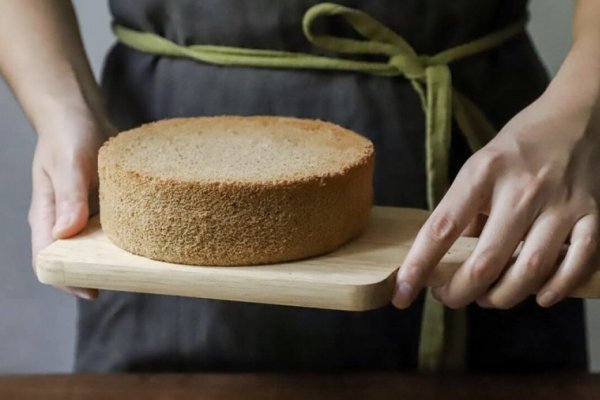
{"points": [[533, 265], [485, 163], [442, 228], [483, 269]]}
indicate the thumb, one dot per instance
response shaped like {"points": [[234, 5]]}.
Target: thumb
{"points": [[71, 213], [41, 219], [71, 203]]}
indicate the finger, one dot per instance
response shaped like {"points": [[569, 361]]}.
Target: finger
{"points": [[41, 220], [71, 198], [575, 267], [458, 207], [535, 263], [507, 223], [72, 212]]}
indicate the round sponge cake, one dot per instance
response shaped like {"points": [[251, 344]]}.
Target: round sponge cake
{"points": [[235, 190]]}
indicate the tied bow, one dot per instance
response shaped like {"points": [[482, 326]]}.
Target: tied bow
{"points": [[429, 75]]}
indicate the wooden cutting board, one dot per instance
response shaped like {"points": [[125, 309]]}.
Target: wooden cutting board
{"points": [[358, 276]]}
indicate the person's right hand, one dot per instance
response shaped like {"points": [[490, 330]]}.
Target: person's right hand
{"points": [[65, 182]]}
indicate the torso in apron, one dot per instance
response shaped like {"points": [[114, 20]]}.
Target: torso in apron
{"points": [[133, 332]]}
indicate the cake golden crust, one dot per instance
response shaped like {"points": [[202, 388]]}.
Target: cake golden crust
{"points": [[158, 201]]}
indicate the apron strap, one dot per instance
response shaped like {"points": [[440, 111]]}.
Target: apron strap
{"points": [[443, 332]]}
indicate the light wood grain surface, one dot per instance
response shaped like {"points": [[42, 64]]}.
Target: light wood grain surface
{"points": [[358, 276]]}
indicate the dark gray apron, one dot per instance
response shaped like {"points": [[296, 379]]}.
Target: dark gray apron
{"points": [[134, 332]]}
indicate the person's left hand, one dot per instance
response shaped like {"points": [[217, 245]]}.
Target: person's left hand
{"points": [[538, 180]]}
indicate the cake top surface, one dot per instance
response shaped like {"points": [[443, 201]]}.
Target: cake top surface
{"points": [[240, 149]]}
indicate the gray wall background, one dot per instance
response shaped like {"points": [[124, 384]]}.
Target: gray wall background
{"points": [[37, 323]]}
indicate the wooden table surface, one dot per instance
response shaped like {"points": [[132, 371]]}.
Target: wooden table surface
{"points": [[304, 387]]}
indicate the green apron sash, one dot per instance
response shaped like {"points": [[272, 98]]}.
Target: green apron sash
{"points": [[443, 333]]}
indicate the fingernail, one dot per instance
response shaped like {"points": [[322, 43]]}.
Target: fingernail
{"points": [[403, 294], [83, 294], [547, 298], [63, 222]]}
